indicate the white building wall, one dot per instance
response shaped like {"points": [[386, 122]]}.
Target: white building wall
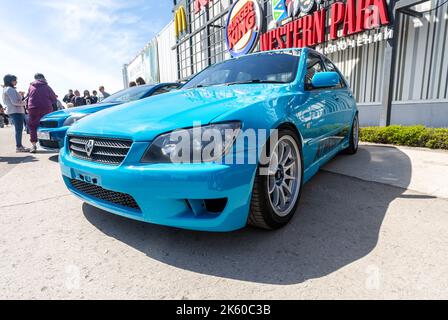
{"points": [[167, 57], [136, 68]]}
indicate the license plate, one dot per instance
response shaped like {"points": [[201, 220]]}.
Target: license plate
{"points": [[43, 135], [87, 177]]}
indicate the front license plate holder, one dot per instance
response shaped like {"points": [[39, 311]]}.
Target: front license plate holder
{"points": [[86, 177], [42, 135]]}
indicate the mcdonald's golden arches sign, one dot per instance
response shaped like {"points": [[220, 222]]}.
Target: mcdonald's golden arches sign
{"points": [[180, 21]]}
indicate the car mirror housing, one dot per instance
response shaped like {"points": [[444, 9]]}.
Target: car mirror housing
{"points": [[325, 79]]}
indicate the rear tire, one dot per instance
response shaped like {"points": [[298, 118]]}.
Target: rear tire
{"points": [[354, 138], [276, 192]]}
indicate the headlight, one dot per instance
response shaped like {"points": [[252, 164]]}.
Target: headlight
{"points": [[73, 119], [198, 144]]}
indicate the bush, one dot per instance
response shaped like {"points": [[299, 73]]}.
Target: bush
{"points": [[413, 136]]}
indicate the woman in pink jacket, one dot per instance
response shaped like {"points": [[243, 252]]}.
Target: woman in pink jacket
{"points": [[40, 102]]}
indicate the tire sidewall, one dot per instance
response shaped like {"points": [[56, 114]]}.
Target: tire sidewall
{"points": [[354, 146], [271, 218]]}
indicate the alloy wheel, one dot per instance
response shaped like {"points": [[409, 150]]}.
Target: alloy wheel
{"points": [[284, 176]]}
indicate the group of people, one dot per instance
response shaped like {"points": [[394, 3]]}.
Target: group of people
{"points": [[27, 109], [74, 99], [38, 102], [139, 82]]}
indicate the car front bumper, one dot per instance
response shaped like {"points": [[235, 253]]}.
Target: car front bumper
{"points": [[52, 138], [167, 194]]}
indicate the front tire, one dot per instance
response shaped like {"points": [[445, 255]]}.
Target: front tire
{"points": [[277, 188]]}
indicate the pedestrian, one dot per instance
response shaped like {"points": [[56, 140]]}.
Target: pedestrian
{"points": [[2, 116], [40, 103], [132, 84], [94, 97], [27, 117], [15, 108], [103, 94], [87, 98], [77, 100], [140, 81], [57, 105], [68, 97]]}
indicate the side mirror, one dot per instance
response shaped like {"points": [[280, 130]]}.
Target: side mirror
{"points": [[325, 79]]}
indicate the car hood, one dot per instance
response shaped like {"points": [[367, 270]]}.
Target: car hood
{"points": [[79, 110], [145, 119]]}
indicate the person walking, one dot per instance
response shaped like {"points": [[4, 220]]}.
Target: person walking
{"points": [[15, 108], [40, 103], [103, 94], [77, 100]]}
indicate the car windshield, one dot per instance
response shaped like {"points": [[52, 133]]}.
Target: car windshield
{"points": [[128, 95], [278, 67]]}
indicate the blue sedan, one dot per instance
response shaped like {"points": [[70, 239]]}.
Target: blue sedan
{"points": [[53, 127], [233, 147]]}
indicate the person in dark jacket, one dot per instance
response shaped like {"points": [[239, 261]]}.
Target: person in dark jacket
{"points": [[2, 116], [87, 97], [68, 97], [94, 97], [40, 103], [77, 100], [140, 81]]}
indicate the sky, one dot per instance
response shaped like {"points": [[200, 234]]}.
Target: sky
{"points": [[76, 44]]}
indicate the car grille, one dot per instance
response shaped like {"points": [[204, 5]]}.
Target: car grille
{"points": [[49, 124], [107, 151], [118, 198]]}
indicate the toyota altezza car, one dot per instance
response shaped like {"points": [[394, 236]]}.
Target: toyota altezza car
{"points": [[233, 147], [53, 127]]}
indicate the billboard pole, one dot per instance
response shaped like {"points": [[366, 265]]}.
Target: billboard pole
{"points": [[390, 57]]}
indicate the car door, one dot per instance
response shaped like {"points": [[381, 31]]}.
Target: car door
{"points": [[322, 104], [343, 109]]}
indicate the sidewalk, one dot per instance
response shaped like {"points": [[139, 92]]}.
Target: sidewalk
{"points": [[417, 169]]}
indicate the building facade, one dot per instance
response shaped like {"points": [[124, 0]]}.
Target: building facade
{"points": [[355, 34], [395, 61], [157, 62]]}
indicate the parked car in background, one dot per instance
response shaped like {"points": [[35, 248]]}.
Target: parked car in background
{"points": [[295, 103], [53, 127]]}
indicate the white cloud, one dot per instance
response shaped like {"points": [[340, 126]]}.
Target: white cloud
{"points": [[77, 44]]}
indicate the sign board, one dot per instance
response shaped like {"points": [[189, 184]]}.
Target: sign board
{"points": [[244, 24], [345, 19]]}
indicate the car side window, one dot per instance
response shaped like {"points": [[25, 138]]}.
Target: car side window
{"points": [[331, 67], [313, 66]]}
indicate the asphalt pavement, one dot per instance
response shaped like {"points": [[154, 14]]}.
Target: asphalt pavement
{"points": [[373, 225]]}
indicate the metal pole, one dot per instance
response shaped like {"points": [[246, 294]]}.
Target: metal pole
{"points": [[390, 58]]}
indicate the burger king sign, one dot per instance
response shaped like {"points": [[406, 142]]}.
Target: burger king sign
{"points": [[243, 27]]}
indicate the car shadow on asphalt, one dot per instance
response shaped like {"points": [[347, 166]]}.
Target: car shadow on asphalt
{"points": [[17, 160], [54, 158], [337, 223]]}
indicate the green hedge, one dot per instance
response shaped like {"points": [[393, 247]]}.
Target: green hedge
{"points": [[413, 136]]}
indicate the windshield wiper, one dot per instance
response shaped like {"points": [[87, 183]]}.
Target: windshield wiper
{"points": [[253, 81]]}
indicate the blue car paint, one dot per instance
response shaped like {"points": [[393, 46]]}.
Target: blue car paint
{"points": [[58, 133], [161, 189]]}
